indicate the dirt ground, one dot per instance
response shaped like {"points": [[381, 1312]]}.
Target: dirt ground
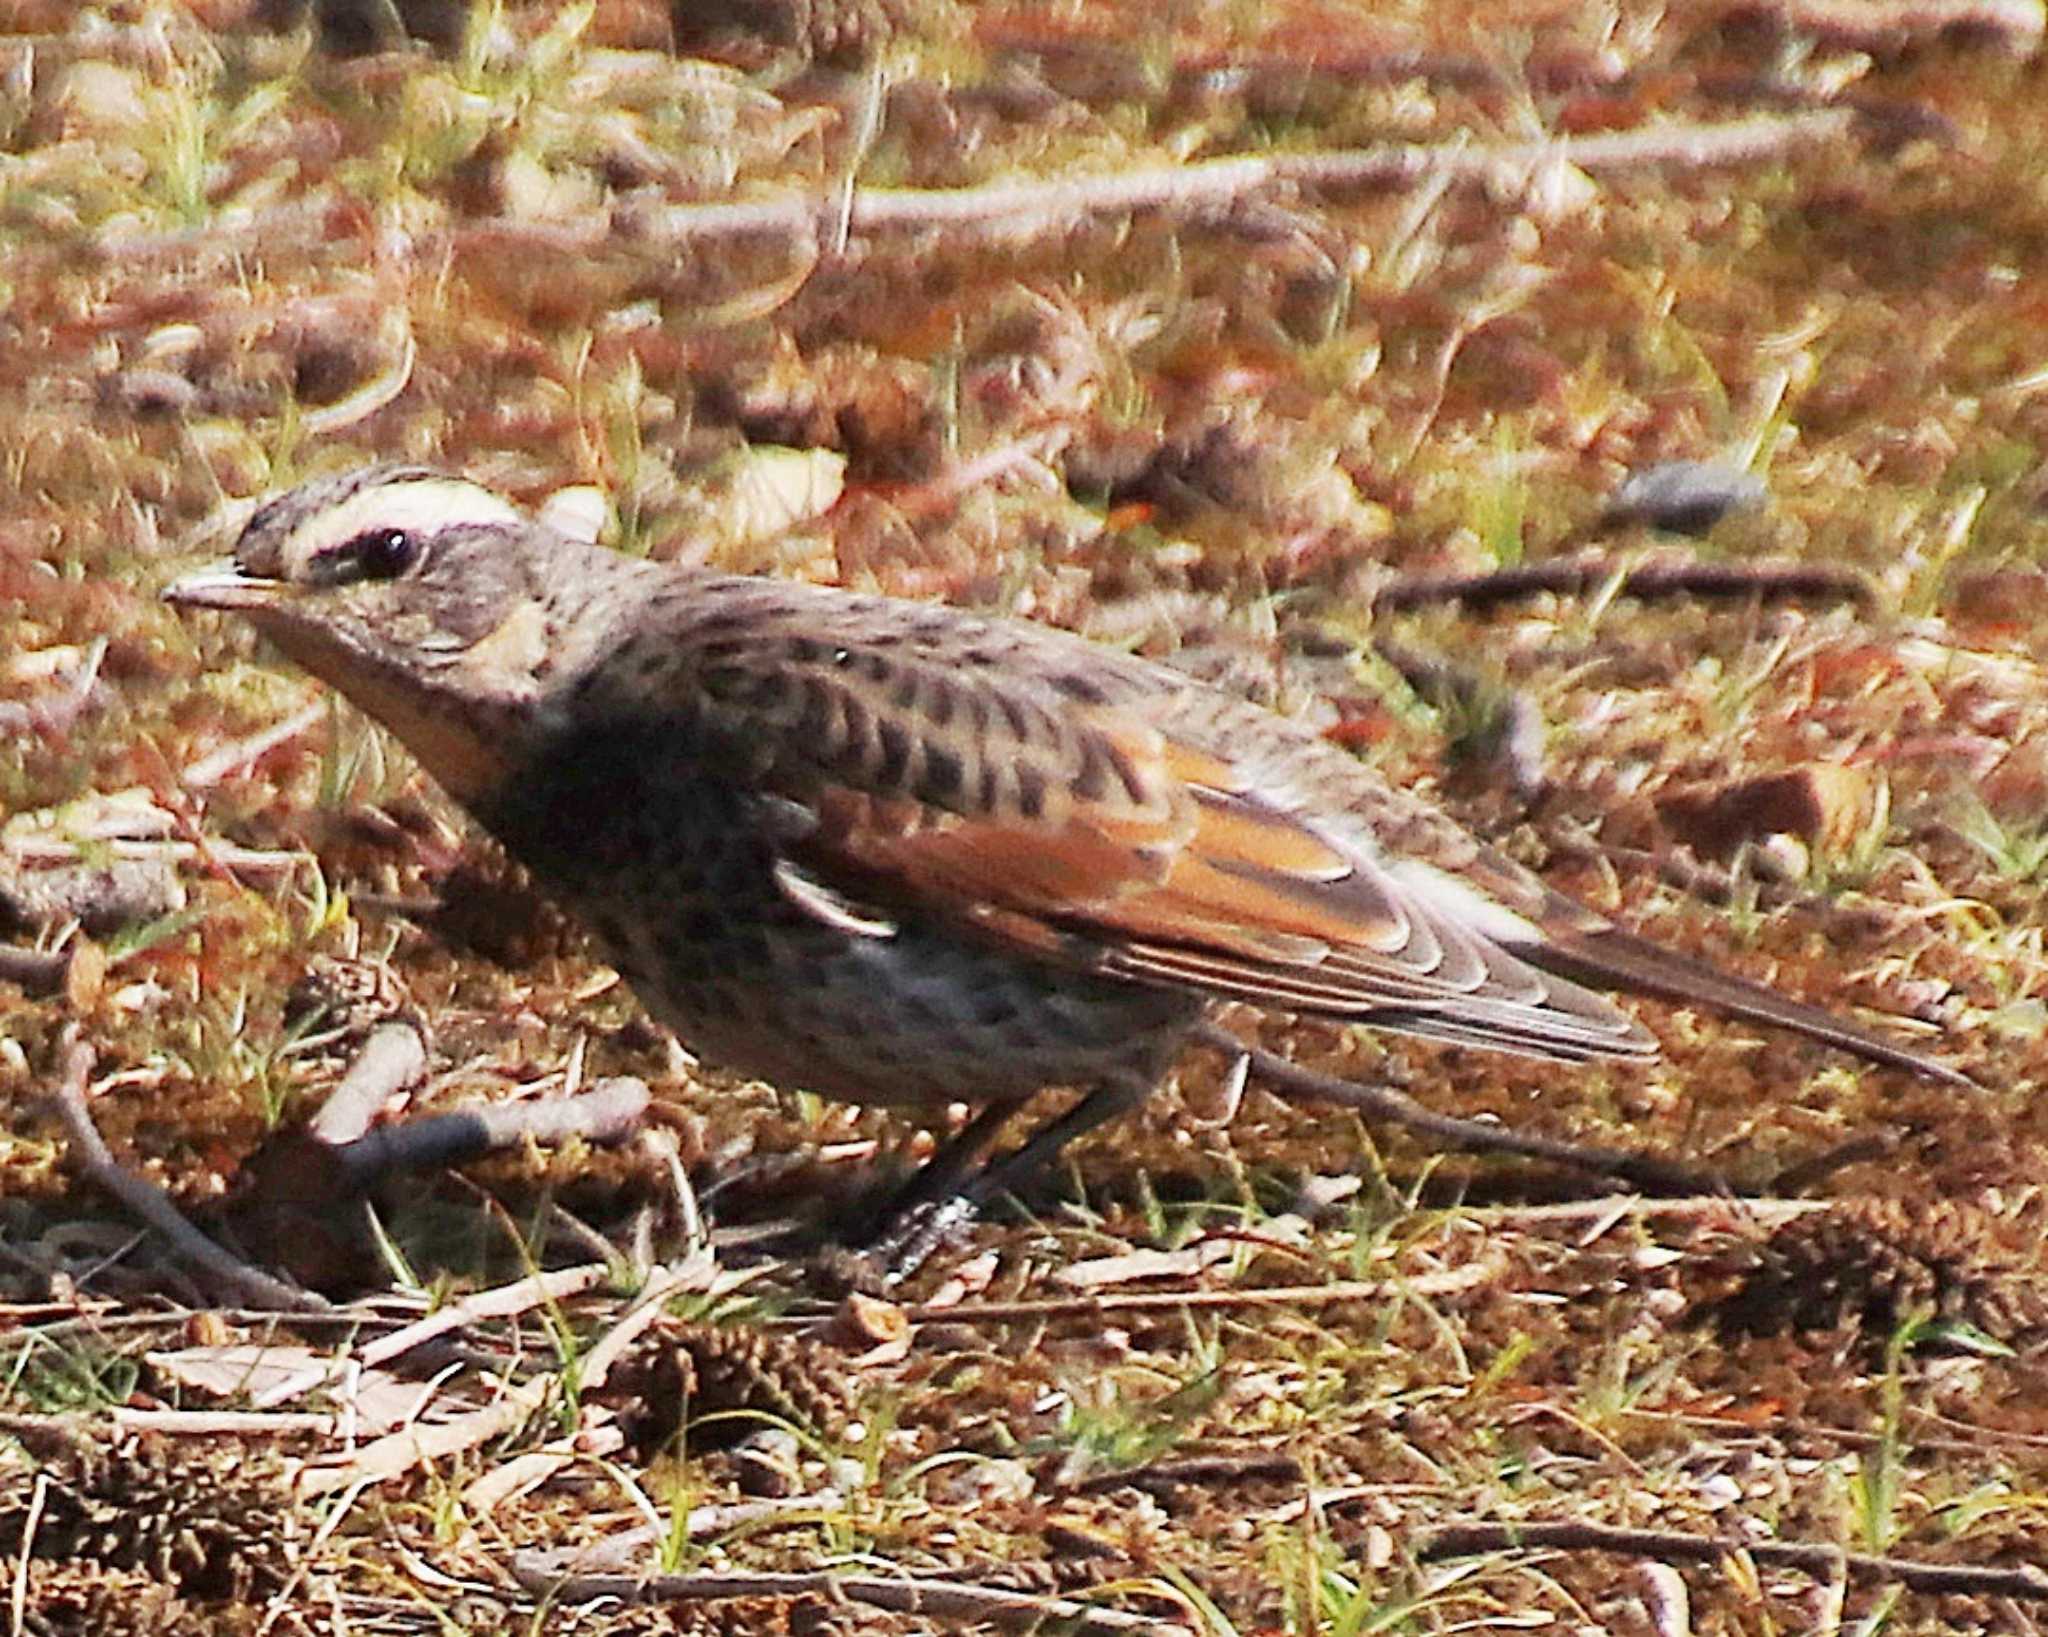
{"points": [[1344, 355]]}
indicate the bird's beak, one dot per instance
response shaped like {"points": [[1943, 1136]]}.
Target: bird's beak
{"points": [[224, 585]]}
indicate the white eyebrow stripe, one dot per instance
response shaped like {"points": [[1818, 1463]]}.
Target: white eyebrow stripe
{"points": [[423, 505]]}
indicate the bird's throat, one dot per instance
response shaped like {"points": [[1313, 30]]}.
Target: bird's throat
{"points": [[462, 733]]}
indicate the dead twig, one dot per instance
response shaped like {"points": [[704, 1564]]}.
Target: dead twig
{"points": [[1645, 1171], [150, 1204], [237, 757], [499, 1302], [610, 1110], [617, 1553], [1645, 582], [1893, 26], [1447, 1283], [1858, 917], [2026, 1581], [1210, 187], [393, 1057], [399, 1452], [1601, 1214], [226, 1423], [933, 1599], [524, 1473], [38, 971], [253, 864], [1797, 1178], [1260, 1466]]}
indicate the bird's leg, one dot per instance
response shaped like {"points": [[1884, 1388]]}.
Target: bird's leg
{"points": [[1645, 1171], [1018, 1169], [933, 1206], [959, 1157]]}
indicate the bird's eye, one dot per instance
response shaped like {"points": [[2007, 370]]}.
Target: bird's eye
{"points": [[375, 554], [385, 553]]}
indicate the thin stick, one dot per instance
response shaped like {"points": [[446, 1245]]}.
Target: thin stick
{"points": [[2027, 1580], [225, 1423], [38, 971], [1645, 1171], [393, 1057], [1447, 1283], [1261, 1466], [255, 864], [934, 1599], [1618, 1207], [1208, 187], [1583, 576], [500, 1302], [1713, 884], [17, 1602], [399, 1452], [616, 1553], [610, 1110], [1860, 25], [151, 1205], [222, 764]]}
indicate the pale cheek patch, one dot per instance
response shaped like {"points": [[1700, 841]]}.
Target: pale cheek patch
{"points": [[423, 506], [517, 652]]}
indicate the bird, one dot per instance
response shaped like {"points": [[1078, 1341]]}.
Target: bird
{"points": [[901, 853]]}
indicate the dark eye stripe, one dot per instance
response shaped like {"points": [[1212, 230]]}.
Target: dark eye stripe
{"points": [[375, 554]]}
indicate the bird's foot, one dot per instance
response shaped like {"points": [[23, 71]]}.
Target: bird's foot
{"points": [[919, 1231]]}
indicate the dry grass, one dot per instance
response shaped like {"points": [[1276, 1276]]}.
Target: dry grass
{"points": [[1188, 405]]}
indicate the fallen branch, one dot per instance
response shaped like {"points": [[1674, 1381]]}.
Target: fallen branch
{"points": [[611, 1110], [1446, 1283], [1714, 884], [151, 1205], [1803, 1175], [1208, 187], [1645, 582], [524, 1473], [1645, 1171], [1888, 27], [1261, 1466], [254, 864], [2027, 1581], [932, 1599], [499, 1302], [38, 971], [1601, 1214], [237, 757], [226, 1423], [617, 1553], [399, 1452], [392, 1058]]}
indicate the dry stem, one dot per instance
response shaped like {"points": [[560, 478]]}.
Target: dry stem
{"points": [[150, 1204], [1287, 1079], [1646, 582], [932, 1599], [2026, 1581]]}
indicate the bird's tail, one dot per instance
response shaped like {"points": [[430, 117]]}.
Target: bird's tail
{"points": [[1612, 959]]}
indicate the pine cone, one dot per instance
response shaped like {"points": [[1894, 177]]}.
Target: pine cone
{"points": [[707, 1368], [1875, 1264], [205, 1528]]}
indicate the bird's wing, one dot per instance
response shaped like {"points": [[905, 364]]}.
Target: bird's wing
{"points": [[1087, 807]]}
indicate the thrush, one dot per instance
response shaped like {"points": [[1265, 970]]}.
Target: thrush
{"points": [[896, 852]]}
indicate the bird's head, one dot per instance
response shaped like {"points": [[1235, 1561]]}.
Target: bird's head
{"points": [[427, 599]]}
